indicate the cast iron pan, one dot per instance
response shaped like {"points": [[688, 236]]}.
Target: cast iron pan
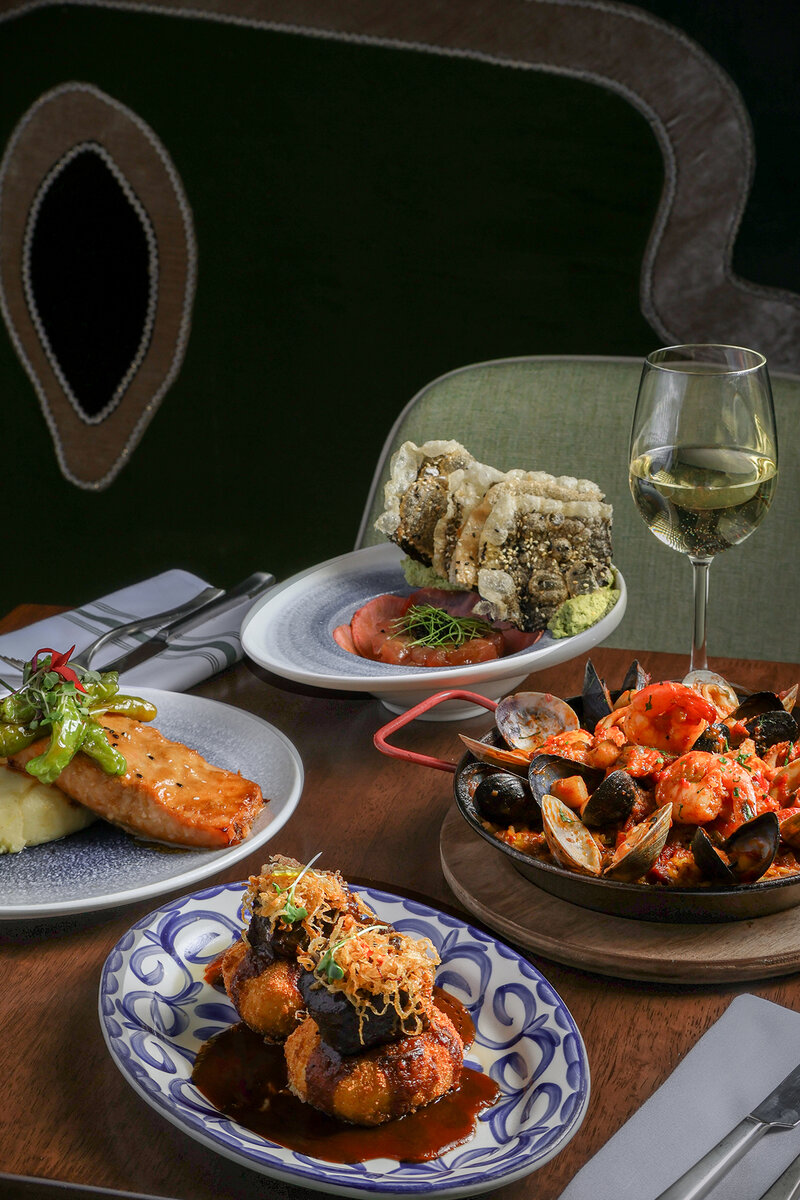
{"points": [[639, 901]]}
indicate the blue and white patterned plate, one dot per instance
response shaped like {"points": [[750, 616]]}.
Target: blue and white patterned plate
{"points": [[102, 867], [156, 1011], [290, 632]]}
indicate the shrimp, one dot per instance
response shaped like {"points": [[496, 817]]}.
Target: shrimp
{"points": [[702, 787], [667, 716]]}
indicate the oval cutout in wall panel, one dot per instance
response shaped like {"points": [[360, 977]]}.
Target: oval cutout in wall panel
{"points": [[91, 278], [86, 186]]}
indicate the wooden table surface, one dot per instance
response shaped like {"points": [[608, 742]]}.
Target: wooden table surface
{"points": [[68, 1114]]}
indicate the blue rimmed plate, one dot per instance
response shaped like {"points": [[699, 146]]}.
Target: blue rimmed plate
{"points": [[156, 1011], [290, 632]]}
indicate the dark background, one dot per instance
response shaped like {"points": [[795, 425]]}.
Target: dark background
{"points": [[367, 219]]}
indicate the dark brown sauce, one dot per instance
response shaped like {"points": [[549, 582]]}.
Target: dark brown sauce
{"points": [[455, 1010], [245, 1078]]}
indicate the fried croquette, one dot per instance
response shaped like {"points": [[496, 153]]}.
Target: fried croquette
{"points": [[381, 1084], [266, 998]]}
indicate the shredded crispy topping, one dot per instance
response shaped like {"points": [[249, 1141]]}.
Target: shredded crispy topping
{"points": [[376, 968], [287, 893]]}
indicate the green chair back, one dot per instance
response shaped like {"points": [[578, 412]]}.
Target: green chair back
{"points": [[572, 416]]}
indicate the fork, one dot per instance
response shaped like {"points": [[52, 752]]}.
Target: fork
{"points": [[153, 621]]}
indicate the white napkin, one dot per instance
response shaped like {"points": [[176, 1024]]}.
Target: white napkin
{"points": [[738, 1062], [207, 649]]}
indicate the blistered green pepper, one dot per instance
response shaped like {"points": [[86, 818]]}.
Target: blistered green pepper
{"points": [[97, 746], [102, 691], [127, 706], [66, 736], [17, 709], [14, 737]]}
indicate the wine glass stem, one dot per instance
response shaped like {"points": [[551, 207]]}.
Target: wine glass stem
{"points": [[700, 566]]}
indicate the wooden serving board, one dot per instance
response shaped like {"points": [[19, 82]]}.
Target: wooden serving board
{"points": [[487, 884]]}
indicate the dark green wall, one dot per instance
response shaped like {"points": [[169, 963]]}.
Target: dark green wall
{"points": [[366, 219]]}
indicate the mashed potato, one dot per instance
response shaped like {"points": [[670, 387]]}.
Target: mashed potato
{"points": [[33, 812]]}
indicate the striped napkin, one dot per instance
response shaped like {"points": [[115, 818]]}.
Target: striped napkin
{"points": [[733, 1067], [197, 655]]}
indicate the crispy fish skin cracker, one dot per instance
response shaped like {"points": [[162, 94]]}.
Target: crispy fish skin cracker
{"points": [[415, 496], [525, 540], [169, 792]]}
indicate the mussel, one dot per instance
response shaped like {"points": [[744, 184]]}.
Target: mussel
{"points": [[608, 800], [769, 728], [611, 801], [507, 800], [570, 842], [760, 702], [642, 845], [546, 769], [744, 856], [715, 739], [599, 700]]}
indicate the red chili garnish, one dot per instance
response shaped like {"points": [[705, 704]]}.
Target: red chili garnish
{"points": [[58, 665]]}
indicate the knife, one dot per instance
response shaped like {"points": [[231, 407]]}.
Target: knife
{"points": [[84, 658], [787, 1185], [780, 1110], [249, 589]]}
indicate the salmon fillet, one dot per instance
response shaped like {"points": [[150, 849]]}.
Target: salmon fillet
{"points": [[169, 792]]}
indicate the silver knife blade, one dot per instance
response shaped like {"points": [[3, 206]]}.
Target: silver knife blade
{"points": [[779, 1110], [782, 1107], [249, 589]]}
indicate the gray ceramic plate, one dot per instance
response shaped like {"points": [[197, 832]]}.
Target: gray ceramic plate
{"points": [[102, 867], [290, 632]]}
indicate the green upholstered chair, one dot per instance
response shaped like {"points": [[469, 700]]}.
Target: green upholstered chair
{"points": [[571, 416]]}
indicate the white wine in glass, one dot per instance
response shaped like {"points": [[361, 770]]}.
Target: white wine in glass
{"points": [[703, 456]]}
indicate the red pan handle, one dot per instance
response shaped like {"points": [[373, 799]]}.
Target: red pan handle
{"points": [[425, 760]]}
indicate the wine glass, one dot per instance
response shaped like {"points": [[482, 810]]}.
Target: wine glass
{"points": [[703, 456]]}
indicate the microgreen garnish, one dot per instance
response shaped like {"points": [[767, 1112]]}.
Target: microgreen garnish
{"points": [[56, 698], [328, 966], [49, 689], [291, 913], [431, 626]]}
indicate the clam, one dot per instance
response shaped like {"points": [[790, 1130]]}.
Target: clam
{"points": [[611, 801], [527, 719], [790, 828], [570, 842], [715, 689], [744, 856], [524, 721], [641, 847], [497, 756], [785, 781], [506, 799]]}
